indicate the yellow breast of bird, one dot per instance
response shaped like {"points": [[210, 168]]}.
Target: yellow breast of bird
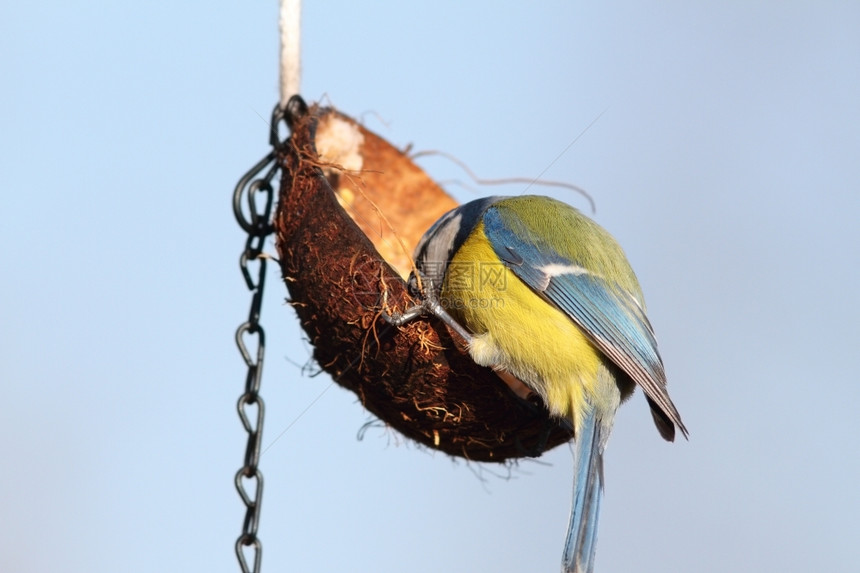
{"points": [[516, 330]]}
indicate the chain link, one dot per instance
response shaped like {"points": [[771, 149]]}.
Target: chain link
{"points": [[260, 195]]}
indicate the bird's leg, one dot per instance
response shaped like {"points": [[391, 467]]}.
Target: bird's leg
{"points": [[429, 304], [401, 318]]}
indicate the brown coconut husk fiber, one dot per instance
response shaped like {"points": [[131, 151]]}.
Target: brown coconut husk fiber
{"points": [[351, 209]]}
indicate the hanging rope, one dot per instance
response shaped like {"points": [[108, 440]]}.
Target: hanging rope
{"points": [[291, 65]]}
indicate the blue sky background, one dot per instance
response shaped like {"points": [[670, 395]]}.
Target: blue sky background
{"points": [[727, 163]]}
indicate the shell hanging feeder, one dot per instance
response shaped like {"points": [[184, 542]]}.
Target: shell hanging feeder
{"points": [[351, 210]]}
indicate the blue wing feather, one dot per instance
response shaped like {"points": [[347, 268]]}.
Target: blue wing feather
{"points": [[610, 316]]}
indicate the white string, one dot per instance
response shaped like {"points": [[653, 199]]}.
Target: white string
{"points": [[291, 69]]}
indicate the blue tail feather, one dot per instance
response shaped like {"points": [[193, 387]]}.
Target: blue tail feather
{"points": [[581, 541]]}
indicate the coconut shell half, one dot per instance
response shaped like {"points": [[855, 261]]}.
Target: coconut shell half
{"points": [[351, 209]]}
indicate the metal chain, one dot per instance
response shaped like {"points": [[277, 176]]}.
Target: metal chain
{"points": [[260, 195]]}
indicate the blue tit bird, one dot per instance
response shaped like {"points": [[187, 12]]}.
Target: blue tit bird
{"points": [[543, 294]]}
